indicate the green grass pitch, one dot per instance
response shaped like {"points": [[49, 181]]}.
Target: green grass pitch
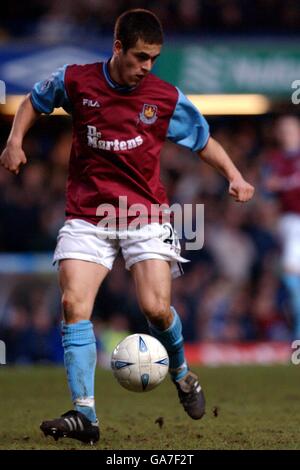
{"points": [[249, 407]]}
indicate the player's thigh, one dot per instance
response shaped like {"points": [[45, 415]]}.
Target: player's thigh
{"points": [[152, 279], [80, 280]]}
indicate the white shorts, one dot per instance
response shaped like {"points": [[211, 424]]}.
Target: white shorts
{"points": [[289, 230], [79, 239]]}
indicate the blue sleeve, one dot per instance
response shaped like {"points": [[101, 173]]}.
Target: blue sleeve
{"points": [[51, 93], [187, 126]]}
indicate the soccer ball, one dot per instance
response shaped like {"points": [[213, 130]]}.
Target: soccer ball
{"points": [[140, 363]]}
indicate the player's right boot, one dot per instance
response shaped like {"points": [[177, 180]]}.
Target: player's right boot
{"points": [[191, 395], [74, 425]]}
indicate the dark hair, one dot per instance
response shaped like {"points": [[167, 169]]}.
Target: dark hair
{"points": [[138, 24]]}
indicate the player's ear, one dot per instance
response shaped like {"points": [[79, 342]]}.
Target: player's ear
{"points": [[117, 47]]}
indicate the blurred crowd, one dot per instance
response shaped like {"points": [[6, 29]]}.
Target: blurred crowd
{"points": [[80, 19], [232, 289]]}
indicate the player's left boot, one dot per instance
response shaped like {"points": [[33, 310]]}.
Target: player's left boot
{"points": [[74, 425], [191, 395]]}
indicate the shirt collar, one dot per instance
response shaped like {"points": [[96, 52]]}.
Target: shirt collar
{"points": [[112, 83]]}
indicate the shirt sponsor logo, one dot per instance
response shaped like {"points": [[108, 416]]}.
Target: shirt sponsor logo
{"points": [[148, 114], [94, 139]]}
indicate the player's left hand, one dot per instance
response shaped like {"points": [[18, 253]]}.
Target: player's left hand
{"points": [[240, 189]]}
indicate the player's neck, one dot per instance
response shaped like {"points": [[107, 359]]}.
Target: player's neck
{"points": [[114, 73]]}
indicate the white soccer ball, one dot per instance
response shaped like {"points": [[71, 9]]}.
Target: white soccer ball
{"points": [[140, 362]]}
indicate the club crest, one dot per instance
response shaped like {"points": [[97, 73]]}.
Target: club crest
{"points": [[148, 114]]}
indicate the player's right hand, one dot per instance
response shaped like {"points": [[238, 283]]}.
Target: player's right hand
{"points": [[12, 158], [240, 189]]}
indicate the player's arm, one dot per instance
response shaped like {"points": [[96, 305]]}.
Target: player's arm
{"points": [[44, 97], [13, 155], [215, 155], [189, 128]]}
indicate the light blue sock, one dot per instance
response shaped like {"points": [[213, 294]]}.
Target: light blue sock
{"points": [[172, 340], [292, 282], [80, 362]]}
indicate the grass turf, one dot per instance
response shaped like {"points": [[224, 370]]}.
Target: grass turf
{"points": [[249, 407]]}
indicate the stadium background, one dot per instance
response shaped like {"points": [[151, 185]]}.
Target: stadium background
{"points": [[232, 302]]}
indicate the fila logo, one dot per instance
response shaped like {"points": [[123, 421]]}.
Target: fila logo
{"points": [[90, 103]]}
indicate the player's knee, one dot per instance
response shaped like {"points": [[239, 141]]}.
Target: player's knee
{"points": [[74, 308], [158, 313]]}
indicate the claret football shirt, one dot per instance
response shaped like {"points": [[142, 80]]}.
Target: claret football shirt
{"points": [[118, 133]]}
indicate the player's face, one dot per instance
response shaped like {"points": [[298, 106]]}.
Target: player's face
{"points": [[136, 62]]}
